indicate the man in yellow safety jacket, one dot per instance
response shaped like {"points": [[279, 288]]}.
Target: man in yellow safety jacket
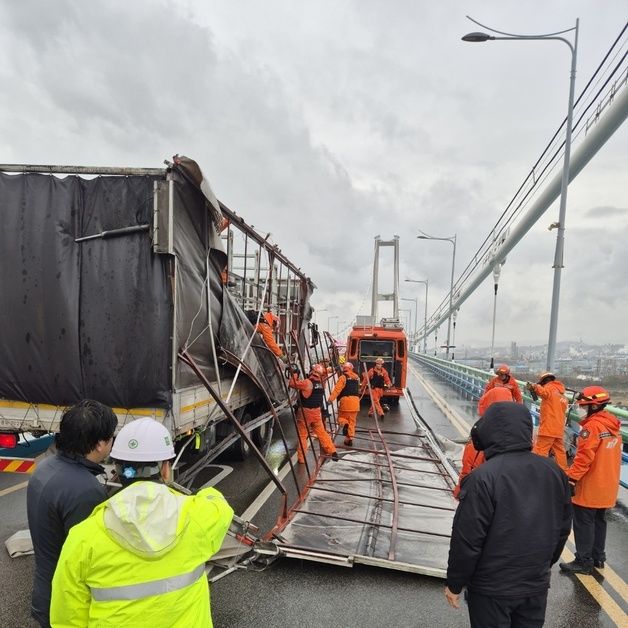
{"points": [[139, 558]]}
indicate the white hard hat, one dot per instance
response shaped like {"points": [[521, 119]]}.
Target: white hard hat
{"points": [[143, 440]]}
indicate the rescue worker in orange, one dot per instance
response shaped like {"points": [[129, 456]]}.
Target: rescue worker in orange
{"points": [[267, 323], [471, 457], [505, 379], [378, 376], [551, 418], [347, 391], [309, 416], [594, 477]]}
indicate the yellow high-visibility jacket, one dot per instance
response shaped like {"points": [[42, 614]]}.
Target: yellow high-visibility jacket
{"points": [[138, 560]]}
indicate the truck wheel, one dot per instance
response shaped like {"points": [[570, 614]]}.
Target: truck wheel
{"points": [[262, 435], [240, 450]]}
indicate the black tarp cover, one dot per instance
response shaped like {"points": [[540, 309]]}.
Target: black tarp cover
{"points": [[330, 522], [94, 319], [81, 320]]}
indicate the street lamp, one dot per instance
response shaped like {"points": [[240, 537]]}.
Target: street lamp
{"points": [[425, 236], [416, 307], [408, 315], [560, 234], [425, 281]]}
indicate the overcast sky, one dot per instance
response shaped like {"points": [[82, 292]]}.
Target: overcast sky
{"points": [[329, 122]]}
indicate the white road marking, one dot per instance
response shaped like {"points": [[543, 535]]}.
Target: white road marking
{"points": [[12, 489], [223, 474], [264, 496]]}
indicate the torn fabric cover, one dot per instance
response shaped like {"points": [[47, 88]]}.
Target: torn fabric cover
{"points": [[94, 319]]}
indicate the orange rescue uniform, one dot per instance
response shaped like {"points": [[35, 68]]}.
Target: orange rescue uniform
{"points": [[310, 418], [551, 422], [266, 333], [510, 384], [378, 376], [596, 466], [348, 404]]}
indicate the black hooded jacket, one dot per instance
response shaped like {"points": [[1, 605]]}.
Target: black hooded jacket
{"points": [[514, 514]]}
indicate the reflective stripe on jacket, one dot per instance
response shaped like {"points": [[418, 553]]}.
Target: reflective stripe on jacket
{"points": [[597, 464], [139, 559]]}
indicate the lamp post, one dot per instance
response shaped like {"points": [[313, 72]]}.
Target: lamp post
{"points": [[415, 300], [453, 335], [425, 281], [425, 236], [408, 315], [560, 234]]}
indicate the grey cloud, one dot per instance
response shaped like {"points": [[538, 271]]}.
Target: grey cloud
{"points": [[324, 124], [607, 212]]}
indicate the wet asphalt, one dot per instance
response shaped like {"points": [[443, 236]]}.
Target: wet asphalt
{"points": [[304, 594]]}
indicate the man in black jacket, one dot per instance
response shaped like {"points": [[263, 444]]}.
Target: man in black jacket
{"points": [[64, 490], [511, 524]]}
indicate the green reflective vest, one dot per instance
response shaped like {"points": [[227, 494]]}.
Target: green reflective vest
{"points": [[138, 560]]}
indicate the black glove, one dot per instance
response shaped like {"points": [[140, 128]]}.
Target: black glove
{"points": [[572, 487], [532, 391]]}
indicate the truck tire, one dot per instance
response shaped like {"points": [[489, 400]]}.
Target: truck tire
{"points": [[240, 450], [262, 435]]}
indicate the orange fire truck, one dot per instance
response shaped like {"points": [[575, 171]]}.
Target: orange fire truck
{"points": [[388, 341]]}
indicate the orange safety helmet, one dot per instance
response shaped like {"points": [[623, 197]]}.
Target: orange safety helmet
{"points": [[546, 375], [502, 369], [317, 371], [347, 366], [271, 319], [593, 396]]}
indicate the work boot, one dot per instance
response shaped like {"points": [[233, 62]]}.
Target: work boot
{"points": [[334, 457], [598, 564], [349, 443], [575, 566], [385, 408], [345, 429]]}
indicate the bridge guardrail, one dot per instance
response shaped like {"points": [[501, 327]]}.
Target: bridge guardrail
{"points": [[471, 381]]}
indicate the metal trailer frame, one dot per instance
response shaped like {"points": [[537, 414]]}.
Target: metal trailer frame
{"points": [[279, 285]]}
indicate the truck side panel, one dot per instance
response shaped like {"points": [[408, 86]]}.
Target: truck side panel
{"points": [[72, 311]]}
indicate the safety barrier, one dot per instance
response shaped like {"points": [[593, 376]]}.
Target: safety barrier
{"points": [[470, 381]]}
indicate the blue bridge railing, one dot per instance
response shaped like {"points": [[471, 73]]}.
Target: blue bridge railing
{"points": [[470, 381]]}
